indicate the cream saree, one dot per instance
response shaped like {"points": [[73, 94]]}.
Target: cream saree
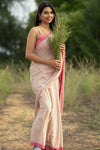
{"points": [[48, 85]]}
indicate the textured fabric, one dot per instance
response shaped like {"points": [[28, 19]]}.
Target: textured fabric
{"points": [[41, 38], [48, 85]]}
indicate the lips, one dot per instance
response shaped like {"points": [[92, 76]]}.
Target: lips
{"points": [[48, 19]]}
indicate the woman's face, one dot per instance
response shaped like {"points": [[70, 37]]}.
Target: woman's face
{"points": [[47, 15]]}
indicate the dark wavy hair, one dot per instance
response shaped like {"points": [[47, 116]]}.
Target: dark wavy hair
{"points": [[40, 9]]}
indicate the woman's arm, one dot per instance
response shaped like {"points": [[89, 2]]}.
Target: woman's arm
{"points": [[31, 40]]}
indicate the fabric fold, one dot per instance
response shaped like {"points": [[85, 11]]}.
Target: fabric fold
{"points": [[48, 85]]}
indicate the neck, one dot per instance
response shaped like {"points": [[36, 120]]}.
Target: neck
{"points": [[44, 25]]}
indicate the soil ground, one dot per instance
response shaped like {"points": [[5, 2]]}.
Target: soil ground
{"points": [[16, 118]]}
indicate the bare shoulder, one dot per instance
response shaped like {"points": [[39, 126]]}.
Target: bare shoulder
{"points": [[33, 32]]}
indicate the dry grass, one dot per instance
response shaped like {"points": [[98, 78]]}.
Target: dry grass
{"points": [[82, 86]]}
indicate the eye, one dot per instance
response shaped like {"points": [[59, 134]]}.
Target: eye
{"points": [[51, 12], [46, 12]]}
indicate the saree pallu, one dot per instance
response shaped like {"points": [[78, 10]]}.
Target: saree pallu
{"points": [[48, 85]]}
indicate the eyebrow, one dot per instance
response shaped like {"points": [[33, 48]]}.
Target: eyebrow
{"points": [[48, 11]]}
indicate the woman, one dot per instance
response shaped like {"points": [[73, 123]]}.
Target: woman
{"points": [[47, 80]]}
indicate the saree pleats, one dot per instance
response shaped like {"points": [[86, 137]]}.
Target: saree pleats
{"points": [[46, 130]]}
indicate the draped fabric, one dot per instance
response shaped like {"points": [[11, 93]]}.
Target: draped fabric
{"points": [[48, 85]]}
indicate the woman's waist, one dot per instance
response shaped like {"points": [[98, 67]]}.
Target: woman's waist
{"points": [[39, 67], [40, 73]]}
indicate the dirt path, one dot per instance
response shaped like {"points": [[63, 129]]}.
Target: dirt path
{"points": [[16, 119]]}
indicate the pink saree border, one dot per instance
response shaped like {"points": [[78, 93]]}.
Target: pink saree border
{"points": [[61, 84], [46, 146], [42, 37]]}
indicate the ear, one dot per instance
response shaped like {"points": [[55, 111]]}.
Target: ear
{"points": [[39, 14]]}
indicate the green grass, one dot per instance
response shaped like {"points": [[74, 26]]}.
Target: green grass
{"points": [[6, 83], [24, 82], [82, 86], [13, 77]]}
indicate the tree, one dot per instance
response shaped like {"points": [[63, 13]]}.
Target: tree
{"points": [[85, 41], [65, 5], [84, 18], [12, 35]]}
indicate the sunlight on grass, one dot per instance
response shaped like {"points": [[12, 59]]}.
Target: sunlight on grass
{"points": [[6, 83], [24, 82], [82, 84], [81, 93]]}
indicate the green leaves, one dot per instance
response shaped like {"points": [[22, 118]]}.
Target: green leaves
{"points": [[61, 33]]}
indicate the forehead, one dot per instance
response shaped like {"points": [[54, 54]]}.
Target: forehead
{"points": [[47, 9]]}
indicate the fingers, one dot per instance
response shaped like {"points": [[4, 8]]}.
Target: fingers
{"points": [[57, 67], [58, 61], [58, 64], [62, 48]]}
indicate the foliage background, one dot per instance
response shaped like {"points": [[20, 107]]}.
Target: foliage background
{"points": [[82, 16], [82, 77]]}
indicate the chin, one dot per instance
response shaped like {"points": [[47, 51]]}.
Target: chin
{"points": [[49, 21]]}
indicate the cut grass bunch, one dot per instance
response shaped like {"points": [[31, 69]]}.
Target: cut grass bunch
{"points": [[61, 33]]}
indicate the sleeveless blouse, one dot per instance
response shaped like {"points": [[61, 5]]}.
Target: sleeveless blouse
{"points": [[42, 36]]}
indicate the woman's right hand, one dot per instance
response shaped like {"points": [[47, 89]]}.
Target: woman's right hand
{"points": [[55, 64]]}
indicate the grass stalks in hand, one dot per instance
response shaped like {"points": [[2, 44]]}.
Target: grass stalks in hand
{"points": [[61, 33]]}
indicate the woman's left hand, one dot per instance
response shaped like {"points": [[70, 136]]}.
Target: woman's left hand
{"points": [[62, 48]]}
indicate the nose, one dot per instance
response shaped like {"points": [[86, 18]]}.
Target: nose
{"points": [[49, 14]]}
